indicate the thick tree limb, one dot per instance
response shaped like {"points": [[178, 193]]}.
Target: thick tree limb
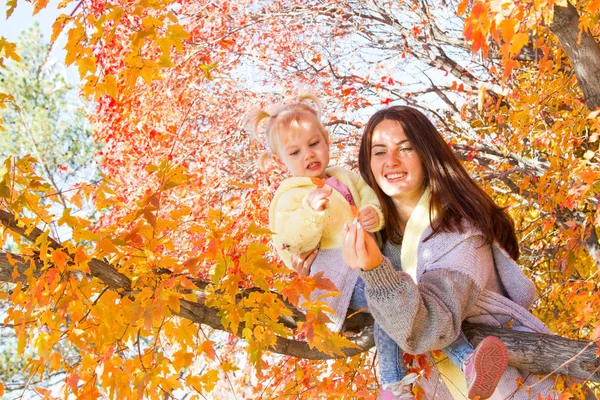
{"points": [[543, 354], [533, 352], [584, 54]]}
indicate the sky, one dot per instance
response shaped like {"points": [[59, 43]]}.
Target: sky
{"points": [[21, 19]]}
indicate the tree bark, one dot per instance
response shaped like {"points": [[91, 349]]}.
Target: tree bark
{"points": [[543, 354], [584, 54]]}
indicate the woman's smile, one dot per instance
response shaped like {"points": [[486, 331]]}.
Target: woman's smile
{"points": [[396, 167]]}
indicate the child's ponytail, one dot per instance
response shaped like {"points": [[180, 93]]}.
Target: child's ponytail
{"points": [[281, 118], [252, 120], [304, 97]]}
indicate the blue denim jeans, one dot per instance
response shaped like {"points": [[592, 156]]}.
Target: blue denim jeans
{"points": [[391, 365], [458, 350]]}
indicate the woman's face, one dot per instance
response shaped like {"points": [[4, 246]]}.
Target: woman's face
{"points": [[396, 166]]}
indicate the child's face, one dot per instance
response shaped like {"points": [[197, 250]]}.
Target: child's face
{"points": [[306, 153]]}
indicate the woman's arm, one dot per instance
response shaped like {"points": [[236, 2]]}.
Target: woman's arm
{"points": [[423, 317]]}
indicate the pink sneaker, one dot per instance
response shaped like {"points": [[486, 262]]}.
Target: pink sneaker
{"points": [[485, 366]]}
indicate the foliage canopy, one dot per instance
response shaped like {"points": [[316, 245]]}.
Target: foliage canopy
{"points": [[183, 204]]}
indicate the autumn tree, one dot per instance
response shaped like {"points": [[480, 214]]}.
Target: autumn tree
{"points": [[181, 243]]}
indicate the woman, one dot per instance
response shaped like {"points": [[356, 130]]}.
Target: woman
{"points": [[457, 248]]}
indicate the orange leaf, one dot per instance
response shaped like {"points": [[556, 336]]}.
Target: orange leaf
{"points": [[207, 348], [318, 181], [517, 42], [59, 258], [324, 283], [462, 7]]}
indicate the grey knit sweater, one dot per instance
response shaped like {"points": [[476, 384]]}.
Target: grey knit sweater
{"points": [[459, 278]]}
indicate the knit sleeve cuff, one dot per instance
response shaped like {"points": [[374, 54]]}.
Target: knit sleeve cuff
{"points": [[384, 276], [312, 216]]}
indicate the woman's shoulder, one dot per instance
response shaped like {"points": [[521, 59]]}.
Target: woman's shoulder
{"points": [[434, 246], [462, 232]]}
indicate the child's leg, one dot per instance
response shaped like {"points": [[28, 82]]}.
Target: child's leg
{"points": [[358, 300], [458, 351], [391, 367]]}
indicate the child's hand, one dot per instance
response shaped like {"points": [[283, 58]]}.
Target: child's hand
{"points": [[369, 218], [319, 198]]}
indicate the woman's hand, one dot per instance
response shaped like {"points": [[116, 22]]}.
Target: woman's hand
{"points": [[359, 248], [301, 262]]}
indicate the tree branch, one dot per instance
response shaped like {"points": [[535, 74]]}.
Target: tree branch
{"points": [[539, 353], [582, 49]]}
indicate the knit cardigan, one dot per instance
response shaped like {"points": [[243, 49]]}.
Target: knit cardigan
{"points": [[298, 228], [459, 277]]}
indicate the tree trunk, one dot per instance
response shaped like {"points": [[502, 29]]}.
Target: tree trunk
{"points": [[543, 354], [584, 54]]}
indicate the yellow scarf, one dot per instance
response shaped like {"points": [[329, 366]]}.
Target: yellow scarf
{"points": [[415, 228]]}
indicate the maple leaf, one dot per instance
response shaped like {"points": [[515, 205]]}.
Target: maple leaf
{"points": [[319, 182]]}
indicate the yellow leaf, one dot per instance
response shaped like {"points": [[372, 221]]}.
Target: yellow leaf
{"points": [[110, 83], [588, 155], [177, 34], [182, 359], [164, 61], [517, 42], [150, 21], [209, 379], [85, 65], [9, 50], [147, 73], [58, 25], [68, 219], [10, 7], [42, 345]]}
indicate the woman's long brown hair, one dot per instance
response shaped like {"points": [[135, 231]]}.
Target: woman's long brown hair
{"points": [[455, 196]]}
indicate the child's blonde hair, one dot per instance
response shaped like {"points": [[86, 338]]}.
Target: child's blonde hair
{"points": [[285, 119]]}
